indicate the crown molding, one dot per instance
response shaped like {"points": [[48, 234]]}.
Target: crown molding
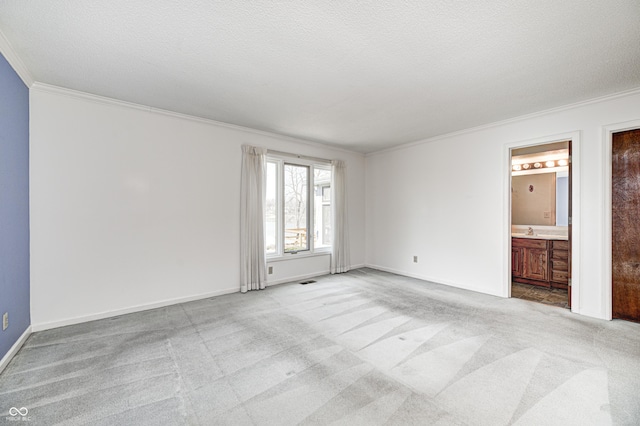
{"points": [[520, 118], [48, 88], [14, 60]]}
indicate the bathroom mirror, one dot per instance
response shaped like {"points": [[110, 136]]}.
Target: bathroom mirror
{"points": [[540, 199]]}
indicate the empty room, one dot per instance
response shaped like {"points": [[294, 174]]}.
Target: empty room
{"points": [[283, 213]]}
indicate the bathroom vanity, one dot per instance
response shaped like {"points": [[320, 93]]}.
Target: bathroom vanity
{"points": [[540, 260]]}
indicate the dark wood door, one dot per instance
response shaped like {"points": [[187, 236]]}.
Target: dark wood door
{"points": [[626, 225]]}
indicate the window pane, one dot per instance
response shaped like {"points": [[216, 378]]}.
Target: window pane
{"points": [[271, 209], [296, 189], [322, 207]]}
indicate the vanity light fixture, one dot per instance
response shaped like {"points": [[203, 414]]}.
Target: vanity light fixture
{"points": [[540, 165]]}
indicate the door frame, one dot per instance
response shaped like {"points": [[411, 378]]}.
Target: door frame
{"points": [[607, 232], [575, 138]]}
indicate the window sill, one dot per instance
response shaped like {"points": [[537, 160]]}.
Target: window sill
{"points": [[300, 255]]}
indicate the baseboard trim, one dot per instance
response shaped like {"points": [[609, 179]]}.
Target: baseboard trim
{"points": [[14, 349], [430, 279], [297, 278], [139, 308], [307, 276]]}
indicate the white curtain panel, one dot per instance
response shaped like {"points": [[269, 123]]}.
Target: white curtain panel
{"points": [[252, 255], [340, 261]]}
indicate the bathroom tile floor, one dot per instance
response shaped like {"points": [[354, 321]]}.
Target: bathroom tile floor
{"points": [[548, 296]]}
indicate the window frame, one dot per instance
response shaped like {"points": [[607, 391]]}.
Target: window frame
{"points": [[281, 161]]}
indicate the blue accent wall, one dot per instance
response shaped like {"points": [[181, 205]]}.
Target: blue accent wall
{"points": [[14, 205]]}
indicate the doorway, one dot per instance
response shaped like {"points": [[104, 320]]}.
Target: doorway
{"points": [[541, 228], [625, 228]]}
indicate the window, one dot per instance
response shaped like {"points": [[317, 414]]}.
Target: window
{"points": [[298, 207]]}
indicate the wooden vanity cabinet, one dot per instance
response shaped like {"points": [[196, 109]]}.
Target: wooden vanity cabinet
{"points": [[540, 262], [534, 260]]}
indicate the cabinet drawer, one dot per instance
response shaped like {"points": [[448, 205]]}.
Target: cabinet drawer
{"points": [[560, 276], [559, 254], [560, 245], [559, 265], [529, 243]]}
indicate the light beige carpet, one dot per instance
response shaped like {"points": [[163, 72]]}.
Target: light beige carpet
{"points": [[362, 348]]}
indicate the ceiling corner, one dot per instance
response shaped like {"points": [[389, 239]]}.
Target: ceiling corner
{"points": [[14, 60]]}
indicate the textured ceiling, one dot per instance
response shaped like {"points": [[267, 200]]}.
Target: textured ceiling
{"points": [[363, 75]]}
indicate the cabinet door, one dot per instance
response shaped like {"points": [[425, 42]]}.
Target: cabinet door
{"points": [[535, 264], [516, 262]]}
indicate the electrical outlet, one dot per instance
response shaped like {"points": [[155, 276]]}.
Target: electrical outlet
{"points": [[5, 321], [270, 270], [415, 259]]}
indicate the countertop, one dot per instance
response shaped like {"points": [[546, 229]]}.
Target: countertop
{"points": [[541, 236]]}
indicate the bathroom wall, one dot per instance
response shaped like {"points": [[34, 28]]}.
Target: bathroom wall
{"points": [[533, 199], [562, 199]]}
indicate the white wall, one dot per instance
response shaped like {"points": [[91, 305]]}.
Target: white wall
{"points": [[444, 201], [134, 208]]}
